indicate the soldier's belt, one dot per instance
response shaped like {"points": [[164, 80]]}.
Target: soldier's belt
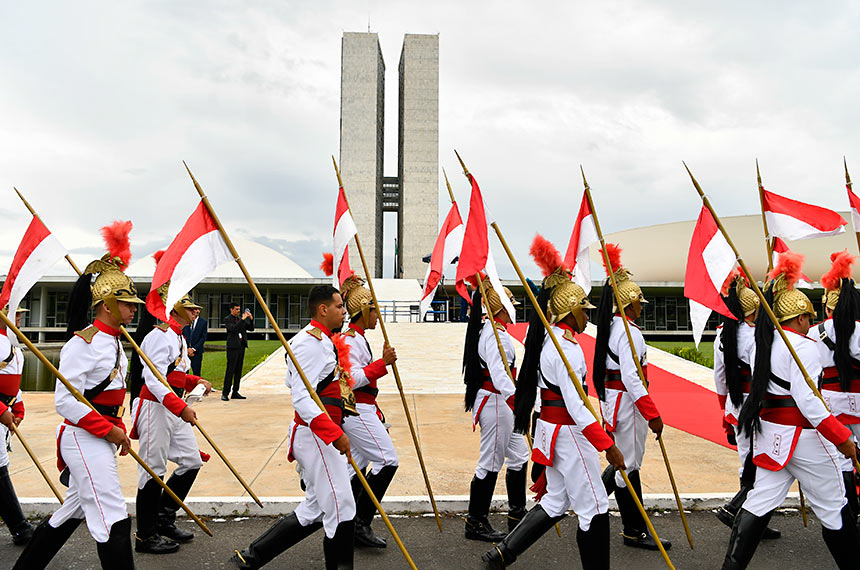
{"points": [[7, 399], [367, 390], [783, 410], [112, 411]]}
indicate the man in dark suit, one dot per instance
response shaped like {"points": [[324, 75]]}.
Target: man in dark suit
{"points": [[237, 342], [195, 336]]}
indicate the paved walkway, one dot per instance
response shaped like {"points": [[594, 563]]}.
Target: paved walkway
{"points": [[252, 432]]}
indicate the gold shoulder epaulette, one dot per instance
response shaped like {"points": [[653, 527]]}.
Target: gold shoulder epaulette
{"points": [[316, 333], [500, 326], [349, 332], [568, 335], [88, 333], [162, 327]]}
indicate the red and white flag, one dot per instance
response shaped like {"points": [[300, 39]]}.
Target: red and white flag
{"points": [[584, 234], [38, 251], [790, 219], [709, 262], [447, 247], [855, 208], [780, 247], [193, 254], [475, 255], [344, 230]]}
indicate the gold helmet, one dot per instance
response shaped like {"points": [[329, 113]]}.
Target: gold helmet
{"points": [[110, 283], [627, 289], [5, 310], [182, 306], [840, 269], [565, 296], [748, 300], [357, 298], [493, 301], [788, 302]]}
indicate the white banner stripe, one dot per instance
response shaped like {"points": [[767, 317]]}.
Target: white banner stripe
{"points": [[201, 258], [44, 256], [788, 227]]}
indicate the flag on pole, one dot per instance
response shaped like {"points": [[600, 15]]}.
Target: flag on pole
{"points": [[193, 254], [855, 208], [780, 247], [790, 219], [709, 262], [38, 251], [344, 230], [584, 234], [447, 247], [475, 255]]}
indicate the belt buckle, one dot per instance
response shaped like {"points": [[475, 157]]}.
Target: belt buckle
{"points": [[120, 411]]}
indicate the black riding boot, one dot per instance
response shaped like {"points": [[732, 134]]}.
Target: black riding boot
{"points": [[478, 525], [45, 544], [608, 478], [181, 485], [842, 543], [727, 512], [339, 549], [115, 554], [746, 534], [515, 482], [365, 509], [10, 511], [147, 538], [594, 544], [286, 532], [851, 493], [533, 525], [635, 531]]}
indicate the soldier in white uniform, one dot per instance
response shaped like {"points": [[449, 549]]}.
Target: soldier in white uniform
{"points": [[839, 348], [162, 421], [794, 436], [369, 439], [12, 406], [94, 362], [734, 346], [490, 398], [628, 411], [317, 442], [568, 438]]}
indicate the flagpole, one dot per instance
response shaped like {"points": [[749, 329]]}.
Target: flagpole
{"points": [[760, 295], [393, 364], [160, 376], [293, 359], [80, 397], [767, 239], [618, 303], [851, 189], [573, 377]]}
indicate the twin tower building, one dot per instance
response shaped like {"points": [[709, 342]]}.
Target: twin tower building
{"points": [[414, 192]]}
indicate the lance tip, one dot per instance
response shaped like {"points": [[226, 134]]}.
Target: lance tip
{"points": [[463, 164]]}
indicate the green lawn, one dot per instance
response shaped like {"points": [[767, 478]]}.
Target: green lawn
{"points": [[214, 361], [704, 355]]}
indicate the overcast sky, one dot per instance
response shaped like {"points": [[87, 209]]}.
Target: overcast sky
{"points": [[101, 101]]}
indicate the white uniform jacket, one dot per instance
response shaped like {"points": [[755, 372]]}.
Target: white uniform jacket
{"points": [[844, 405], [746, 344], [364, 370], [11, 368], [497, 380]]}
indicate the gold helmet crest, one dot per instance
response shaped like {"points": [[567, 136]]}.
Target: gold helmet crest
{"points": [[841, 266], [788, 302], [627, 289], [492, 300], [566, 297], [357, 298]]}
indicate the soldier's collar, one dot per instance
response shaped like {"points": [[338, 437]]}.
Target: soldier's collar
{"points": [[357, 328], [174, 326], [322, 327], [499, 321], [3, 332], [106, 328]]}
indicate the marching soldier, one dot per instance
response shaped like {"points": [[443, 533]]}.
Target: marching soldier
{"points": [[840, 356], [369, 439], [162, 422], [490, 398], [734, 347], [94, 362], [626, 407], [793, 434], [317, 442], [567, 438], [12, 407]]}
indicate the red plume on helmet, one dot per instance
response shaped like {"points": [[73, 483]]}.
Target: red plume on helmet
{"points": [[342, 347], [158, 255], [724, 290], [545, 254], [842, 261], [327, 264], [613, 250], [116, 240], [791, 265]]}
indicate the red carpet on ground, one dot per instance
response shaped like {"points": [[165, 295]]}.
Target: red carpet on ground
{"points": [[684, 405]]}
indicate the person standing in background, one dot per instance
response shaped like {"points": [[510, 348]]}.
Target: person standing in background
{"points": [[237, 342], [195, 336]]}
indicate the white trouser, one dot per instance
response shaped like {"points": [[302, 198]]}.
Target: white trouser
{"points": [[743, 448], [574, 478], [328, 495], [631, 429], [163, 437], [94, 490], [369, 440], [815, 465], [498, 440]]}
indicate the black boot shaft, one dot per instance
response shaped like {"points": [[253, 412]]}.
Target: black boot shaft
{"points": [[842, 543], [746, 534], [10, 508], [116, 554], [339, 549], [286, 532], [481, 494], [146, 509], [378, 483], [45, 544], [181, 486], [534, 524], [594, 544]]}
